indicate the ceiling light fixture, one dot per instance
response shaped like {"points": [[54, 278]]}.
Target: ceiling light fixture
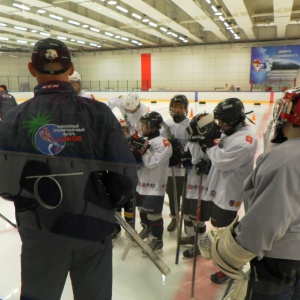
{"points": [[136, 16], [112, 2], [41, 11], [21, 42], [3, 24], [3, 38], [214, 8], [74, 22], [55, 17], [33, 30], [62, 38], [108, 33], [94, 29], [122, 9], [85, 26], [21, 6], [124, 38], [80, 42], [20, 28], [152, 24], [163, 29], [45, 34]]}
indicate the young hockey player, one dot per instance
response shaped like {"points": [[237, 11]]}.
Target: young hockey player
{"points": [[268, 235], [232, 161], [197, 163], [128, 207], [131, 109], [153, 158], [75, 80], [178, 109]]}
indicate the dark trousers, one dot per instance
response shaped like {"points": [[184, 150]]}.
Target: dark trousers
{"points": [[170, 192], [274, 279], [43, 273]]}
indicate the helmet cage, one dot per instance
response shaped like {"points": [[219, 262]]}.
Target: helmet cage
{"points": [[178, 99]]}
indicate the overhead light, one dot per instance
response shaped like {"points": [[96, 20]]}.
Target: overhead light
{"points": [[55, 17], [108, 33], [181, 38], [85, 26], [80, 42], [163, 29], [93, 44], [152, 24], [41, 11], [117, 36], [136, 16], [214, 8], [112, 2], [61, 38], [3, 38], [145, 20], [3, 24], [208, 1], [94, 29], [226, 24], [33, 30], [221, 18], [21, 42], [122, 9], [174, 34], [99, 46], [124, 38], [169, 32], [237, 37], [231, 30], [74, 22], [21, 6], [134, 42], [44, 33], [140, 44], [20, 28], [218, 13], [72, 40]]}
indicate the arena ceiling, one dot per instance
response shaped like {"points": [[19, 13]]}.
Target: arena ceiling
{"points": [[101, 25]]}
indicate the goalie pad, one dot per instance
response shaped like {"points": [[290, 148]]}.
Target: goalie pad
{"points": [[228, 255]]}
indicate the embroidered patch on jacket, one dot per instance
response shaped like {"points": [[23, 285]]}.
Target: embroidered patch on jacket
{"points": [[249, 139]]}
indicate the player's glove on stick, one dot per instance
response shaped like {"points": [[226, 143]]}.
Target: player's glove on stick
{"points": [[203, 167], [186, 159], [207, 139]]}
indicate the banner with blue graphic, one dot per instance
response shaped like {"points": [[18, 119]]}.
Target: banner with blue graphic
{"points": [[274, 63]]}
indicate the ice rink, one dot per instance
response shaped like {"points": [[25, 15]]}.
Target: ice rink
{"points": [[135, 277]]}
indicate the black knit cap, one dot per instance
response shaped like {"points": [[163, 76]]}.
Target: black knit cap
{"points": [[49, 51]]}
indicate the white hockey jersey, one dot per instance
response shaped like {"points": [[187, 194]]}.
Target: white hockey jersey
{"points": [[153, 175], [193, 180], [85, 94], [271, 224], [232, 161], [132, 118], [178, 131]]}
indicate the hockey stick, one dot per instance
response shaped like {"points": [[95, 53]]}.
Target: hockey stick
{"points": [[11, 223], [130, 243], [176, 204], [181, 217], [196, 236], [163, 268]]}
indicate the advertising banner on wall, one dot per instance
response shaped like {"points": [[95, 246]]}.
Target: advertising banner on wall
{"points": [[274, 63]]}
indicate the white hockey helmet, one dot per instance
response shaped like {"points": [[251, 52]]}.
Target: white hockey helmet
{"points": [[75, 76], [132, 102]]}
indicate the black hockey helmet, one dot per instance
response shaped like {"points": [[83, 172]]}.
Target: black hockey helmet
{"points": [[153, 120], [230, 111], [178, 99]]}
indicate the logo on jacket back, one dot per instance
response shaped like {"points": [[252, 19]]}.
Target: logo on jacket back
{"points": [[49, 139]]}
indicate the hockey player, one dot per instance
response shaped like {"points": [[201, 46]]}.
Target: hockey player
{"points": [[232, 161], [197, 163], [268, 235], [75, 80], [178, 110], [66, 218], [128, 207], [131, 109], [7, 101], [152, 179]]}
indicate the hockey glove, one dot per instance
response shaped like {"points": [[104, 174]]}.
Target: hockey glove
{"points": [[193, 132], [207, 139], [175, 159], [186, 159], [203, 167], [138, 147]]}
